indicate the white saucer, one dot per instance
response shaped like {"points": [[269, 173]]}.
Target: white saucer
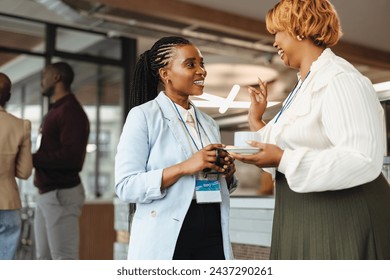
{"points": [[242, 150]]}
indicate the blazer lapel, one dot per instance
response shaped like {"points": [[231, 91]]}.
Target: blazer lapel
{"points": [[208, 127], [174, 123]]}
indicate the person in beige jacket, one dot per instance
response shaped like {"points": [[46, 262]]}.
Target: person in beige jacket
{"points": [[15, 161]]}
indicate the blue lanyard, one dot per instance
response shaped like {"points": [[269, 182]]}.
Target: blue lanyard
{"points": [[188, 131], [291, 97]]}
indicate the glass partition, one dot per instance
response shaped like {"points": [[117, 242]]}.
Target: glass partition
{"points": [[98, 89], [26, 102], [82, 42], [22, 34]]}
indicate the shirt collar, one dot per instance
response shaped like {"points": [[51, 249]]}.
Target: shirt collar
{"points": [[184, 112], [321, 60], [62, 100]]}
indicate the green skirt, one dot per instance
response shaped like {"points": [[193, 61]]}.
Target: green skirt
{"points": [[347, 224]]}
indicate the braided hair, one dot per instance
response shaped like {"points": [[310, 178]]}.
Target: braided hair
{"points": [[146, 74], [146, 78]]}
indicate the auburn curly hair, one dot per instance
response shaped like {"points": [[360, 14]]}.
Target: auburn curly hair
{"points": [[313, 19]]}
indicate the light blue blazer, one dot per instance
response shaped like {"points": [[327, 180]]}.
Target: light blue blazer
{"points": [[153, 139]]}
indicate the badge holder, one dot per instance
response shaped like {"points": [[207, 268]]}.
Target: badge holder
{"points": [[208, 188]]}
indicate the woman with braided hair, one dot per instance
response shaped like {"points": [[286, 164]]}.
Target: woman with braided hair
{"points": [[166, 160]]}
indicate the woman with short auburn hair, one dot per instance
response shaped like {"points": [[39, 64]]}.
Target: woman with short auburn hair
{"points": [[325, 147]]}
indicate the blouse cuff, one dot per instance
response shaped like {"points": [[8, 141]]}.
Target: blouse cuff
{"points": [[286, 158]]}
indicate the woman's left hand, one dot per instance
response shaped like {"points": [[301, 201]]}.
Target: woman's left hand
{"points": [[269, 155], [226, 161]]}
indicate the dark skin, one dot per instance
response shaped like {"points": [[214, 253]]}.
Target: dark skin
{"points": [[183, 77], [298, 53], [52, 85]]}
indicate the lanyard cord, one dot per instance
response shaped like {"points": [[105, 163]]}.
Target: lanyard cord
{"points": [[291, 97], [188, 131]]}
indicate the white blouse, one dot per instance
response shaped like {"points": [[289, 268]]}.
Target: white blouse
{"points": [[333, 132]]}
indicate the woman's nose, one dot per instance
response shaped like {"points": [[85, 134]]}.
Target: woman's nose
{"points": [[202, 71]]}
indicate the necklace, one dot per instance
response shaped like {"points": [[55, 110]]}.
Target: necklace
{"points": [[291, 97]]}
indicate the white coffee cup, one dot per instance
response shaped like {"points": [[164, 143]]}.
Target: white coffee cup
{"points": [[241, 138]]}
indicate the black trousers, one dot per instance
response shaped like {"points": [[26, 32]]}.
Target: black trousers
{"points": [[200, 237]]}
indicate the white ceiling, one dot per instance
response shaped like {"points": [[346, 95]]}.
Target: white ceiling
{"points": [[365, 22]]}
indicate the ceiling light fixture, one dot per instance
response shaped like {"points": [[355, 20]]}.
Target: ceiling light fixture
{"points": [[213, 101], [229, 99]]}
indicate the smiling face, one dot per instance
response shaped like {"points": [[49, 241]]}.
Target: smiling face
{"points": [[184, 75], [289, 49], [315, 22]]}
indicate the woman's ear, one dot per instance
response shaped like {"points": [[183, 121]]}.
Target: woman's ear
{"points": [[163, 72]]}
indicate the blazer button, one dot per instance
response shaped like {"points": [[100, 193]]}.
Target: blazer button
{"points": [[153, 213]]}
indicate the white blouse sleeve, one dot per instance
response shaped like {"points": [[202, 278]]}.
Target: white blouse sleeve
{"points": [[352, 120]]}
